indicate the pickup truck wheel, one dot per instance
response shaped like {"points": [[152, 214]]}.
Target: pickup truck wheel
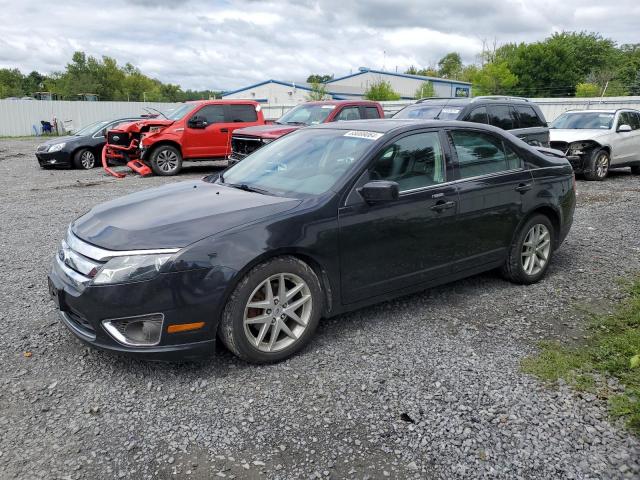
{"points": [[598, 165], [166, 161], [84, 159], [273, 311], [531, 251]]}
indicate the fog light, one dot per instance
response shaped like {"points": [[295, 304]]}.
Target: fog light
{"points": [[142, 331]]}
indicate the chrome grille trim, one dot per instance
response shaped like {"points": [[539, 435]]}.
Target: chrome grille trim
{"points": [[78, 262], [102, 255]]}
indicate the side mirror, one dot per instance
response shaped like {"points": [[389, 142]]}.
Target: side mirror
{"points": [[197, 122], [624, 128], [379, 191]]}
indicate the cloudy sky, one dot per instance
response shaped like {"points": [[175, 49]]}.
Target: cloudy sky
{"points": [[228, 44]]}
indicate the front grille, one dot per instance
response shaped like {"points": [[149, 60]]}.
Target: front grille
{"points": [[118, 138], [243, 146], [562, 146]]}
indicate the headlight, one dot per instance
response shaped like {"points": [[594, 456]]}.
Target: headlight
{"points": [[577, 148], [133, 268], [56, 147]]}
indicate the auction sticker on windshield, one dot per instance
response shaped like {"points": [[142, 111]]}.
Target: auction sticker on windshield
{"points": [[450, 110], [363, 134]]}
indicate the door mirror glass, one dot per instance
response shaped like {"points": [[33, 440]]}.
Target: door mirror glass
{"points": [[379, 191], [197, 122], [624, 128]]}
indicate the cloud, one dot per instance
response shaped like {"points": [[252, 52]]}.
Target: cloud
{"points": [[228, 44]]}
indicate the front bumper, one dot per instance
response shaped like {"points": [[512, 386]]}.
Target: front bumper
{"points": [[577, 162], [55, 159], [182, 297]]}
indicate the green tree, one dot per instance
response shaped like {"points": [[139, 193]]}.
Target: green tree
{"points": [[425, 90], [494, 79], [318, 92], [587, 90], [381, 91], [450, 66], [315, 78]]}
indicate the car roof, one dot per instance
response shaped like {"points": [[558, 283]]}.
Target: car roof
{"points": [[340, 102], [222, 101], [386, 125]]}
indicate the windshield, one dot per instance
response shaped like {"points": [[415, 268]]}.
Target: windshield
{"points": [[307, 162], [429, 112], [306, 115], [180, 112], [92, 128], [584, 120]]}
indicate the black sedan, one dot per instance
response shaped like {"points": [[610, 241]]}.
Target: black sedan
{"points": [[80, 150], [322, 221]]}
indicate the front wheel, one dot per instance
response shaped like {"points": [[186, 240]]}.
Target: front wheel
{"points": [[84, 159], [531, 251], [166, 161], [598, 165], [273, 311]]}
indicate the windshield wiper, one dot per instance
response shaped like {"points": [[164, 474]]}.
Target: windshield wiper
{"points": [[296, 123], [248, 188]]}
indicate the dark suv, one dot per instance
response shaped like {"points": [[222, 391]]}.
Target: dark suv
{"points": [[518, 115]]}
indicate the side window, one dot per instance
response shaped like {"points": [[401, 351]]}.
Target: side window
{"points": [[371, 112], [636, 118], [628, 118], [528, 117], [478, 115], [479, 153], [414, 161], [348, 113], [500, 116], [514, 161], [242, 113], [211, 114]]}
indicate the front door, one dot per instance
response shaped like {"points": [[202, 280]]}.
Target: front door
{"points": [[626, 144], [492, 186], [390, 246], [209, 141]]}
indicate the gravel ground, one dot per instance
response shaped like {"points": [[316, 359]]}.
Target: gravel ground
{"points": [[427, 386]]}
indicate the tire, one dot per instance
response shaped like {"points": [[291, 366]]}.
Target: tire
{"points": [[599, 164], [84, 159], [253, 341], [517, 268], [166, 161], [635, 170]]}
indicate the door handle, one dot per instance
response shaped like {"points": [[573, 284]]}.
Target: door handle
{"points": [[523, 187], [224, 130], [442, 205]]}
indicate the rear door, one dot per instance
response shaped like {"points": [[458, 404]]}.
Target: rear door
{"points": [[237, 116], [209, 141], [502, 116], [492, 186], [369, 112], [530, 126], [348, 113]]}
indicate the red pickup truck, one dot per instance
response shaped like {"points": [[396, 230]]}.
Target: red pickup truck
{"points": [[247, 140], [194, 131]]}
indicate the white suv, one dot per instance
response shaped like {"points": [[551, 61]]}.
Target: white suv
{"points": [[596, 140]]}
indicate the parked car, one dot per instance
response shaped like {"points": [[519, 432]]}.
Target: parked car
{"points": [[519, 116], [325, 220], [195, 131], [247, 140], [596, 141], [80, 150]]}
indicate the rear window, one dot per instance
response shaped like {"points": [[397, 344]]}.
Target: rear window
{"points": [[501, 116], [528, 117], [371, 112], [243, 113], [419, 111]]}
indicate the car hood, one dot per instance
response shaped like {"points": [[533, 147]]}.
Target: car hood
{"points": [[269, 131], [174, 216], [574, 135], [66, 139], [139, 125]]}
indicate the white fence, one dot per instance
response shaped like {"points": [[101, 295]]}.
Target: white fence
{"points": [[18, 117]]}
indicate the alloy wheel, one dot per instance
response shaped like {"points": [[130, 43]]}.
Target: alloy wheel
{"points": [[278, 312], [602, 164], [536, 249], [167, 161], [87, 160]]}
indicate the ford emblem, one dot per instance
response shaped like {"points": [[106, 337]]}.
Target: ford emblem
{"points": [[116, 138]]}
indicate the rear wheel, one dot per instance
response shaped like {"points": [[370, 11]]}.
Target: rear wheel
{"points": [[166, 160], [84, 159], [531, 251], [598, 165], [273, 312]]}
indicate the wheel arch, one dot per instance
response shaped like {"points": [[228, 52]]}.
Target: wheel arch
{"points": [[548, 211], [162, 143]]}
